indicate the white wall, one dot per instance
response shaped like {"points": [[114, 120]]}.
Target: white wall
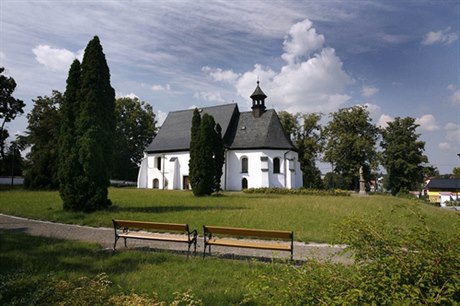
{"points": [[174, 166]]}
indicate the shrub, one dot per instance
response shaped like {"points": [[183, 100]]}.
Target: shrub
{"points": [[393, 266], [300, 191]]}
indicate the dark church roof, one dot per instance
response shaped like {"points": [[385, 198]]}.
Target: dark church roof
{"points": [[174, 134], [239, 130]]}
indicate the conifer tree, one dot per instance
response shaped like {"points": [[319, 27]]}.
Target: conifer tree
{"points": [[206, 155], [194, 166], [219, 152], [69, 171], [95, 128]]}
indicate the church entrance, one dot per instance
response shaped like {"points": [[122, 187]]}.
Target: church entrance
{"points": [[244, 183], [186, 183]]}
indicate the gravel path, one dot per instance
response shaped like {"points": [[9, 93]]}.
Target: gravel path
{"points": [[105, 237]]}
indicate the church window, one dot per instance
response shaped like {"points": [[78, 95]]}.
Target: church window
{"points": [[276, 165], [244, 165], [159, 162]]}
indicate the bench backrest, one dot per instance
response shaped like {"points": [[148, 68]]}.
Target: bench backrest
{"points": [[151, 225], [234, 231]]}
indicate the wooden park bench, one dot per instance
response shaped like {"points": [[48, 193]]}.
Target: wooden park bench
{"points": [[163, 232], [227, 237]]}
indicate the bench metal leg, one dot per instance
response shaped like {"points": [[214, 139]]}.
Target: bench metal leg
{"points": [[126, 246], [115, 243]]}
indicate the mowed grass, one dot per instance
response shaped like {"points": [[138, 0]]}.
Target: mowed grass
{"points": [[312, 218], [38, 259]]}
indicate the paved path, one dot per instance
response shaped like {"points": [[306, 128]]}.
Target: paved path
{"points": [[105, 237]]}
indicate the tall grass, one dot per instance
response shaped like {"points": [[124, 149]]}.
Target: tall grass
{"points": [[312, 218]]}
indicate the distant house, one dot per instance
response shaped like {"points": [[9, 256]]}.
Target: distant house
{"points": [[258, 153], [443, 190]]}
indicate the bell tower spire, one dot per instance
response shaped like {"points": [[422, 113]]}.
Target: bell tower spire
{"points": [[258, 101]]}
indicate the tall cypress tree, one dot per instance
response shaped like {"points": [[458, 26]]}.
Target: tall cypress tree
{"points": [[69, 170], [219, 151], [193, 164], [206, 155], [95, 129]]}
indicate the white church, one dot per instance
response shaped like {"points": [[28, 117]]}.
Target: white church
{"points": [[258, 152]]}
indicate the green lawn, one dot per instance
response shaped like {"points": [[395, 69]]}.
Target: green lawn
{"points": [[39, 270], [38, 260], [312, 218]]}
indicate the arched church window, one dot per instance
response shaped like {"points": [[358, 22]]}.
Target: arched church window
{"points": [[276, 165], [244, 165]]}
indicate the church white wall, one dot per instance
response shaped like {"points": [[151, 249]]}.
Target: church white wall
{"points": [[260, 171]]}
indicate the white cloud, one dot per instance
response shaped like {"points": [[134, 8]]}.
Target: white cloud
{"points": [[445, 37], [217, 74], [384, 120], [392, 38], [301, 41], [369, 91], [56, 59], [209, 96], [314, 84], [132, 95], [427, 123], [445, 146], [158, 87]]}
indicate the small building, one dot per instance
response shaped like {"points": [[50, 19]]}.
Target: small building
{"points": [[443, 190], [258, 152]]}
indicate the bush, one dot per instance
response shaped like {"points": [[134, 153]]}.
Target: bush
{"points": [[300, 191], [392, 266]]}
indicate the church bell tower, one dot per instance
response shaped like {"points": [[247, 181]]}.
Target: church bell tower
{"points": [[258, 102]]}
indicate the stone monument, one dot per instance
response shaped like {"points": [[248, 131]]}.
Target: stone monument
{"points": [[362, 182]]}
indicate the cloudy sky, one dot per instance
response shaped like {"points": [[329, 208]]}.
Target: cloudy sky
{"points": [[400, 58]]}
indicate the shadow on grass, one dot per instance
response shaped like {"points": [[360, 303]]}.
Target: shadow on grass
{"points": [[166, 209]]}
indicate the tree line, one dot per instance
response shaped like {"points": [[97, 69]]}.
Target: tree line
{"points": [[83, 137], [349, 141]]}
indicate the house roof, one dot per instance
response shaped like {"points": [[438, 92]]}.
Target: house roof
{"points": [[239, 130], [175, 133], [265, 132], [444, 184]]}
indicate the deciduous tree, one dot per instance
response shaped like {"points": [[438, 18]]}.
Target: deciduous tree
{"points": [[10, 107], [351, 143], [42, 135], [135, 128], [402, 155]]}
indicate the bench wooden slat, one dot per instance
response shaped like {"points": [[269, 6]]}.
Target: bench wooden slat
{"points": [[212, 236], [235, 231], [249, 244], [152, 225], [124, 229]]}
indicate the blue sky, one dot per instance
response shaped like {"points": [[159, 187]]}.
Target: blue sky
{"points": [[400, 58]]}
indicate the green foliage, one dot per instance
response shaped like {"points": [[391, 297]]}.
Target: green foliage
{"points": [[393, 266], [44, 122], [69, 166], [135, 128], [20, 289], [308, 140], [90, 123], [402, 155], [301, 191], [10, 107], [351, 139], [456, 172], [206, 155]]}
